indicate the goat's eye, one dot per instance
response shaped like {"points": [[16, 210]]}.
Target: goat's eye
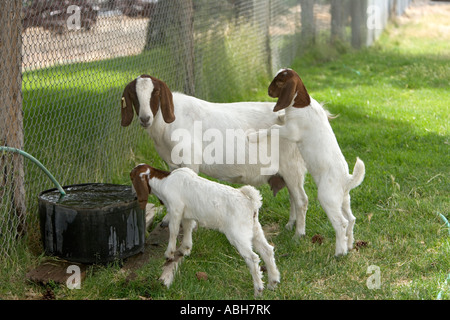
{"points": [[279, 83]]}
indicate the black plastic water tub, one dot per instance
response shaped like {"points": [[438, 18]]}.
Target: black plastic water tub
{"points": [[92, 223]]}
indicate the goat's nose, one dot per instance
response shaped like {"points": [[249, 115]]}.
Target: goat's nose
{"points": [[145, 119]]}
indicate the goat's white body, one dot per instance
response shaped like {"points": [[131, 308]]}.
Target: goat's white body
{"points": [[218, 116], [310, 129], [212, 205], [241, 116], [189, 197]]}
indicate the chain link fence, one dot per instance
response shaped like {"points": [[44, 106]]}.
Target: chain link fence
{"points": [[64, 64]]}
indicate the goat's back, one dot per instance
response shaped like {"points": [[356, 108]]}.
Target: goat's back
{"points": [[223, 116], [196, 118], [210, 203]]}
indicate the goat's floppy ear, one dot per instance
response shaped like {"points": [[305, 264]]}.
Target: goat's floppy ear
{"points": [[128, 102], [293, 89], [141, 187], [167, 107], [302, 99], [162, 96], [286, 96]]}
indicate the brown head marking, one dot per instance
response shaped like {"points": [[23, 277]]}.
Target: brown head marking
{"points": [[287, 87], [140, 176]]}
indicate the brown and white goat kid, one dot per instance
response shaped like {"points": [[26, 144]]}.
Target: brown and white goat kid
{"points": [[307, 124], [190, 198]]}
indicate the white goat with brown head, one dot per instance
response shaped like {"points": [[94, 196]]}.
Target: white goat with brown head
{"points": [[190, 199], [307, 125]]}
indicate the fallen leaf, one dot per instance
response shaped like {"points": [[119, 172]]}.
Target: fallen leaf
{"points": [[201, 275], [317, 239], [360, 244]]}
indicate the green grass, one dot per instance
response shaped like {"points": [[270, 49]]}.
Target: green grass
{"points": [[392, 101]]}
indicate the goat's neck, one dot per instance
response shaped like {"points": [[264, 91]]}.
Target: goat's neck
{"points": [[157, 185], [157, 129], [181, 102], [292, 112]]}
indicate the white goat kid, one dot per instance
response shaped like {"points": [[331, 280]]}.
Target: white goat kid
{"points": [[190, 198], [307, 124], [163, 113]]}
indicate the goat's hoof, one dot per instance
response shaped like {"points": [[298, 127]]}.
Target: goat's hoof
{"points": [[272, 285], [185, 251], [258, 291], [341, 253], [169, 256], [300, 233], [297, 237], [289, 225]]}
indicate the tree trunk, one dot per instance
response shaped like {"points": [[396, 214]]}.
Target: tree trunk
{"points": [[308, 22], [172, 24], [359, 23], [185, 41], [337, 20], [11, 118]]}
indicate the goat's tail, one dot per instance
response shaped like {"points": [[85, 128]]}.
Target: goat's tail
{"points": [[357, 177], [253, 195]]}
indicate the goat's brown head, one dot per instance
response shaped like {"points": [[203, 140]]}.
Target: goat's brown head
{"points": [[289, 89], [140, 177], [147, 94]]}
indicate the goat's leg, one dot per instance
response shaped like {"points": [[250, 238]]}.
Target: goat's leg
{"points": [[251, 259], [331, 201], [165, 221], [174, 228], [351, 220], [186, 244], [195, 168], [265, 250], [298, 202], [288, 131]]}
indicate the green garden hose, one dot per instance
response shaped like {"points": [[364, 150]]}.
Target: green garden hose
{"points": [[446, 222], [23, 153]]}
